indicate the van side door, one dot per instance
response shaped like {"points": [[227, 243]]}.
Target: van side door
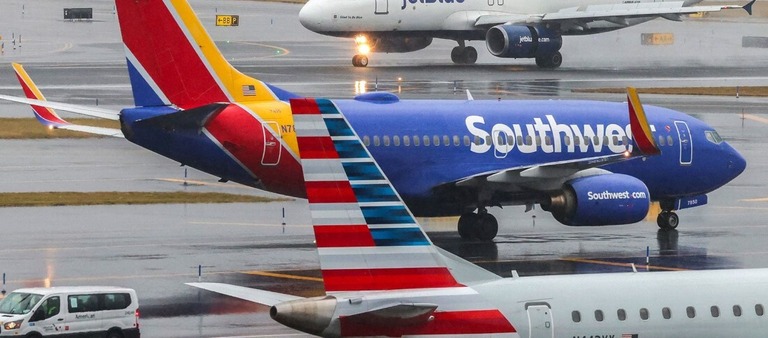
{"points": [[48, 317], [83, 316]]}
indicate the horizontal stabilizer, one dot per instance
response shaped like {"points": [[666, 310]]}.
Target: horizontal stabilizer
{"points": [[72, 108], [398, 315], [263, 297], [195, 118]]}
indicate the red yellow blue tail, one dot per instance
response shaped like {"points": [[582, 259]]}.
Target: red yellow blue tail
{"points": [[641, 130], [46, 116]]}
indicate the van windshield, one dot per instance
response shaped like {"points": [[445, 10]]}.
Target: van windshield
{"points": [[17, 303]]}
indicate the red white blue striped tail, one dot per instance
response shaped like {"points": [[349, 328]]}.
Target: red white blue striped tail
{"points": [[366, 236]]}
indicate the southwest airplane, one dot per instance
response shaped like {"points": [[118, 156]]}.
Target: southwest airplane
{"points": [[511, 29], [446, 158], [383, 276]]}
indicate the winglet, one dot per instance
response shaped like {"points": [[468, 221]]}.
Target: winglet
{"points": [[46, 116], [748, 7], [641, 130]]}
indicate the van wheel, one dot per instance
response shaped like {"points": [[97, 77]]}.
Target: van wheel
{"points": [[114, 334], [33, 335]]}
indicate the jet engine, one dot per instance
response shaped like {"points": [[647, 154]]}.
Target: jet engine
{"points": [[401, 44], [609, 199], [518, 41]]}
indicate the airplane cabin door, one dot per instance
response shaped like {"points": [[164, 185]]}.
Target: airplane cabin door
{"points": [[382, 6], [503, 143], [686, 145], [272, 147], [540, 320]]}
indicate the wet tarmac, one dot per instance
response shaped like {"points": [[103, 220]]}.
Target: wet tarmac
{"points": [[155, 249]]}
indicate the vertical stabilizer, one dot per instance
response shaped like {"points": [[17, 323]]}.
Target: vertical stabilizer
{"points": [[173, 61]]}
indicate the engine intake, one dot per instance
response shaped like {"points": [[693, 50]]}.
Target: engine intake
{"points": [[518, 41], [610, 199]]}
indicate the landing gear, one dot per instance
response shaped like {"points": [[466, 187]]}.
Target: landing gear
{"points": [[360, 60], [668, 220], [464, 55], [551, 61], [481, 225]]}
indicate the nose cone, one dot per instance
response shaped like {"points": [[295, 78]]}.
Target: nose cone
{"points": [[311, 15], [736, 163]]}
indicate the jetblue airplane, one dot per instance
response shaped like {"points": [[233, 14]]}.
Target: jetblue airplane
{"points": [[384, 277], [445, 157], [511, 29]]}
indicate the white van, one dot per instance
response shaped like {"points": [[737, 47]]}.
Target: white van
{"points": [[94, 311]]}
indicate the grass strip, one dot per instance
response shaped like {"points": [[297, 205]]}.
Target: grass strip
{"points": [[760, 91], [30, 128], [68, 198]]}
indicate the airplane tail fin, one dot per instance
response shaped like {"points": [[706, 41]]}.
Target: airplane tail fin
{"points": [[46, 116], [641, 130], [173, 61], [366, 236]]}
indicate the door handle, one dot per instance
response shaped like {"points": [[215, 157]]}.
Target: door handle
{"points": [[60, 319]]}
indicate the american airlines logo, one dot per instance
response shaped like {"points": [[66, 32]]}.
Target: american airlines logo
{"points": [[548, 136], [405, 2]]}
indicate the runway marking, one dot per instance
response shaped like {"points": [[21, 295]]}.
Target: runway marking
{"points": [[627, 265], [251, 224], [763, 199], [755, 118], [283, 51], [283, 275]]}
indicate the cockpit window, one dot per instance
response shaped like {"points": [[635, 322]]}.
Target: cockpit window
{"points": [[19, 303], [713, 137]]}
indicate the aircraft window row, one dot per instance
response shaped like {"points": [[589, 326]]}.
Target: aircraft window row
{"points": [[666, 313], [416, 141], [663, 141]]}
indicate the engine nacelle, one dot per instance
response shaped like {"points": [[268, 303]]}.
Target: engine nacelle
{"points": [[401, 45], [610, 199], [518, 41]]}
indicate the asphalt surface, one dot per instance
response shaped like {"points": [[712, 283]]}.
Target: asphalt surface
{"points": [[155, 249]]}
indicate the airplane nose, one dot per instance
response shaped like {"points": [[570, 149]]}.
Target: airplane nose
{"points": [[736, 163], [309, 15]]}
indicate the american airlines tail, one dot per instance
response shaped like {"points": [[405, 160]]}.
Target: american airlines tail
{"points": [[173, 61]]}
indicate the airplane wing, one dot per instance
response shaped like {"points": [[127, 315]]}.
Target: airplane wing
{"points": [[553, 172], [252, 295], [44, 110], [616, 13]]}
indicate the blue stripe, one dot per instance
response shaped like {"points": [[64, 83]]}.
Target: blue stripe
{"points": [[375, 193], [338, 127], [362, 171], [143, 94], [411, 236], [326, 106], [350, 149], [387, 215]]}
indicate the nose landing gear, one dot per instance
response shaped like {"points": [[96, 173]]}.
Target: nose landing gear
{"points": [[668, 220]]}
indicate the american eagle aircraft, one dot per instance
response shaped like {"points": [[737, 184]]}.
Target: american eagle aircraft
{"points": [[511, 29], [445, 157], [383, 276]]}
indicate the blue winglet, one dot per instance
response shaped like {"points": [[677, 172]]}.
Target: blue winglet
{"points": [[748, 7]]}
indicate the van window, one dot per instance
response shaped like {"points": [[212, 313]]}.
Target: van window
{"points": [[51, 307], [17, 303], [116, 301], [83, 303]]}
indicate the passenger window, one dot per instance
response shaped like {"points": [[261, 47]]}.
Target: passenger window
{"points": [[644, 314], [478, 140], [538, 141], [446, 140], [83, 303], [547, 140], [737, 311], [624, 140], [759, 310], [621, 314], [596, 140], [670, 140], [456, 141], [50, 307], [599, 315], [576, 316], [510, 140], [615, 140], [376, 141], [436, 140], [466, 140], [367, 141], [406, 140], [520, 139], [605, 140], [116, 301], [488, 139], [666, 313], [715, 311], [691, 312], [396, 140], [386, 141], [661, 141], [426, 141], [528, 140], [567, 140], [415, 141]]}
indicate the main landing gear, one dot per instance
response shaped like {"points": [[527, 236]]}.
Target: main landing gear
{"points": [[360, 60], [463, 55], [667, 220], [551, 61], [480, 225]]}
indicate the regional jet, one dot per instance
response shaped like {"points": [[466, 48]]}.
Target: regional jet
{"points": [[445, 157], [384, 277], [511, 29]]}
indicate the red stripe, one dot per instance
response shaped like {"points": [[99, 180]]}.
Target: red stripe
{"points": [[330, 192], [387, 279], [43, 112], [641, 139], [304, 106], [158, 43], [316, 147], [339, 236], [457, 322]]}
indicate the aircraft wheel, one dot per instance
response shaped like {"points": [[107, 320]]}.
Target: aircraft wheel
{"points": [[360, 60], [668, 220], [486, 227], [550, 61], [469, 55], [456, 55], [467, 222]]}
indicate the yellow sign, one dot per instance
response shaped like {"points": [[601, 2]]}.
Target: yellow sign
{"points": [[657, 39], [227, 20]]}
